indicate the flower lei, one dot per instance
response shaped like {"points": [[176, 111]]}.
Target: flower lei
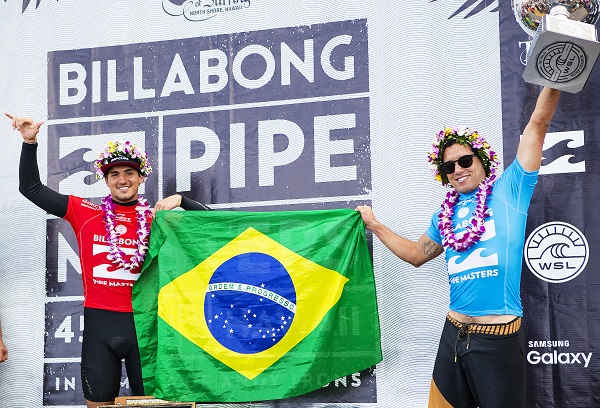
{"points": [[116, 254], [476, 227], [122, 148]]}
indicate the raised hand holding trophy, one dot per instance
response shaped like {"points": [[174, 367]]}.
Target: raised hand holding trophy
{"points": [[565, 44]]}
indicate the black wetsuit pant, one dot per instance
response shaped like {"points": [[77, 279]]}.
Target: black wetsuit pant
{"points": [[108, 338], [479, 365]]}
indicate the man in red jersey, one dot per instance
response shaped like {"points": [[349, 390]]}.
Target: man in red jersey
{"points": [[112, 239]]}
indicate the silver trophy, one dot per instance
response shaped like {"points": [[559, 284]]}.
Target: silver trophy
{"points": [[565, 45]]}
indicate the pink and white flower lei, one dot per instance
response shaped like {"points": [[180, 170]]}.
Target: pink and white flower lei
{"points": [[116, 254], [476, 227]]}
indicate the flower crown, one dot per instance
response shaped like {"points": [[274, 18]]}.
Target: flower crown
{"points": [[124, 152], [464, 136]]}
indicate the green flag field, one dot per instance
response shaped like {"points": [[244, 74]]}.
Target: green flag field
{"points": [[236, 306]]}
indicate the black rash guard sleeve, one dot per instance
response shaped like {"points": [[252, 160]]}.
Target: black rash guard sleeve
{"points": [[189, 204], [53, 202], [32, 188]]}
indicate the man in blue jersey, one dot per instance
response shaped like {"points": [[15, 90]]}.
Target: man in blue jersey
{"points": [[481, 227]]}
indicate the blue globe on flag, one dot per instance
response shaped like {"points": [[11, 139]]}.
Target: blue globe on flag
{"points": [[250, 303]]}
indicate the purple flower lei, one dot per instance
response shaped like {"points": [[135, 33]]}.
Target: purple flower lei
{"points": [[476, 227], [116, 254]]}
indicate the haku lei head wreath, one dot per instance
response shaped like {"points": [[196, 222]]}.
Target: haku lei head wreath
{"points": [[476, 225], [466, 137], [122, 152]]}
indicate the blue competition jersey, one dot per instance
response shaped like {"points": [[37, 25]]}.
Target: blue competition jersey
{"points": [[486, 278]]}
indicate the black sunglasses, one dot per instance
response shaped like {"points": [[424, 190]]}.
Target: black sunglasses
{"points": [[465, 162]]}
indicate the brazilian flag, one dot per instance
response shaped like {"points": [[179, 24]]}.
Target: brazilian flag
{"points": [[236, 306]]}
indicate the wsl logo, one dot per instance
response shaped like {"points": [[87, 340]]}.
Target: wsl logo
{"points": [[556, 252], [561, 62], [200, 10]]}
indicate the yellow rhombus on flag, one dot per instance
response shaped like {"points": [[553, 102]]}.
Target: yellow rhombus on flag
{"points": [[181, 302], [235, 306]]}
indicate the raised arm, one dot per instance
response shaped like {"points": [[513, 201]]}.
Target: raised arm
{"points": [[415, 253], [29, 175], [529, 152]]}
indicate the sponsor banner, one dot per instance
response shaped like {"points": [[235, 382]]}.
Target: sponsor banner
{"points": [[562, 237], [210, 71], [62, 384], [116, 78], [73, 148], [200, 10], [63, 269], [297, 151], [64, 329], [266, 120]]}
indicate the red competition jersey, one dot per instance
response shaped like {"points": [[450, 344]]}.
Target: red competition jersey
{"points": [[105, 285]]}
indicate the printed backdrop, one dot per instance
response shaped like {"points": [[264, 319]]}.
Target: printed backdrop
{"points": [[269, 105], [559, 285]]}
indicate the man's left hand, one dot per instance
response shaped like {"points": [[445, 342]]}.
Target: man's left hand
{"points": [[167, 203]]}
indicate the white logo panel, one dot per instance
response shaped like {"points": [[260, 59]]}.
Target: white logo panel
{"points": [[556, 252], [567, 163], [101, 271], [475, 260]]}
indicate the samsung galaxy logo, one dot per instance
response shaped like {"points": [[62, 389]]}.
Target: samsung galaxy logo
{"points": [[554, 357]]}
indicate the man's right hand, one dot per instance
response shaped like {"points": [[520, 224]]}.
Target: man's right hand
{"points": [[367, 216], [26, 126], [3, 352]]}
